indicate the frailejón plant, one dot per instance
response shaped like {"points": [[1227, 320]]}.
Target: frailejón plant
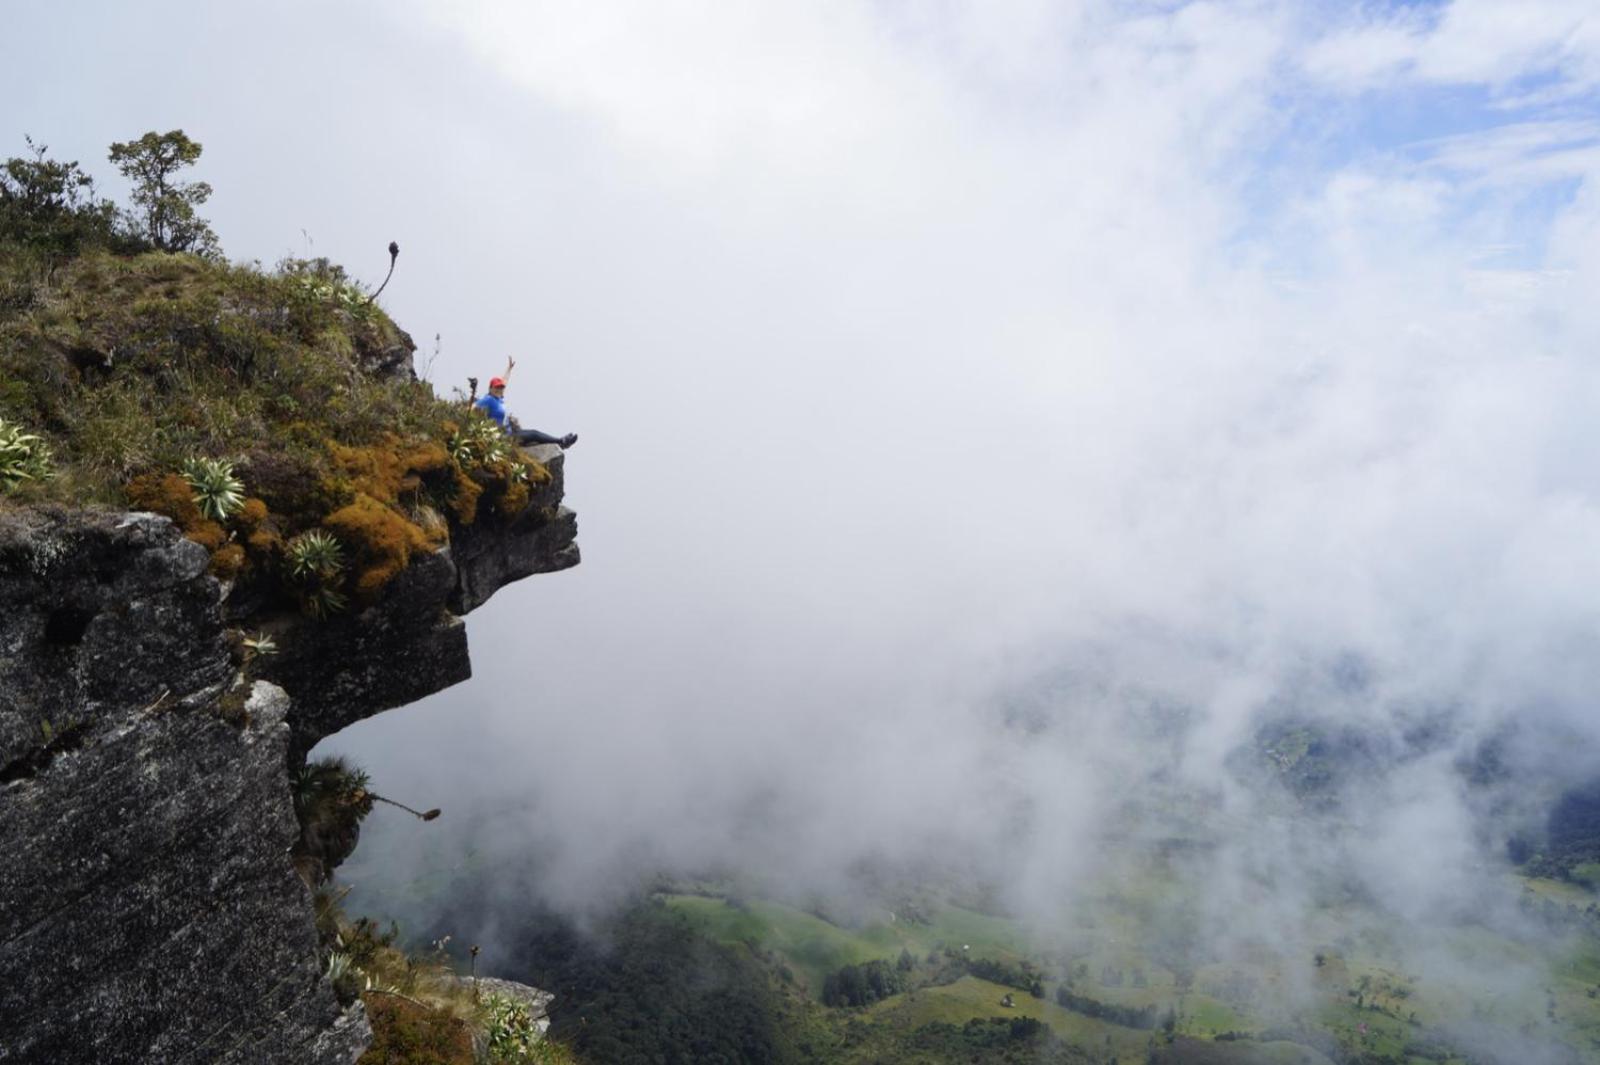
{"points": [[23, 457], [513, 1032], [315, 554], [479, 442], [217, 492], [316, 563]]}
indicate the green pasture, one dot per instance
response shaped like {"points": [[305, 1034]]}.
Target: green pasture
{"points": [[1560, 891], [813, 947], [970, 997]]}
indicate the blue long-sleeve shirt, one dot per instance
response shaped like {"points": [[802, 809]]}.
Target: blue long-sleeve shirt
{"points": [[494, 407]]}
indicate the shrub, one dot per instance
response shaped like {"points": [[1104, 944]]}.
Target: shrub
{"points": [[331, 799], [344, 976], [50, 208], [410, 1033], [1128, 1016], [319, 284], [314, 554], [483, 458], [513, 1035], [862, 985]]}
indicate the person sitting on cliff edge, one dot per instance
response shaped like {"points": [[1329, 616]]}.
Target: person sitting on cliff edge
{"points": [[494, 405]]}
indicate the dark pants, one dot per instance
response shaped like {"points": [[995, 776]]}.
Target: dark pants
{"points": [[524, 437]]}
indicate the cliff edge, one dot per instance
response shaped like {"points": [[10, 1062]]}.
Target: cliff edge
{"points": [[149, 908]]}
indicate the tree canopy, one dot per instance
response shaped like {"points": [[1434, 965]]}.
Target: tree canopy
{"points": [[164, 211]]}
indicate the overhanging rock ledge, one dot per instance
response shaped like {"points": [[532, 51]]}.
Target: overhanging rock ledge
{"points": [[148, 908]]}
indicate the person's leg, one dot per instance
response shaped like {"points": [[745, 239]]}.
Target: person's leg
{"points": [[534, 436]]}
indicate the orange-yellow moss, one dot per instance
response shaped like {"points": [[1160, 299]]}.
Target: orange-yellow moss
{"points": [[370, 490], [514, 500], [227, 561], [389, 468], [264, 541], [379, 539], [464, 500], [170, 495], [253, 513], [166, 494], [427, 457], [208, 534], [374, 498]]}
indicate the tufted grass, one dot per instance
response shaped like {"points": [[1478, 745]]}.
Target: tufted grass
{"points": [[131, 364]]}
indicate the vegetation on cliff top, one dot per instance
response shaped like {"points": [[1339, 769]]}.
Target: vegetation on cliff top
{"points": [[255, 407], [421, 1010]]}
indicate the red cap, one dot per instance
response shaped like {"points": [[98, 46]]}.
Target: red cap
{"points": [[497, 382]]}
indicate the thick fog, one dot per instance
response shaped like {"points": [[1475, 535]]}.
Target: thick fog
{"points": [[990, 413]]}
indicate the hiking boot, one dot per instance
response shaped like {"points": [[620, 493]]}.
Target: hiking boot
{"points": [[568, 440]]}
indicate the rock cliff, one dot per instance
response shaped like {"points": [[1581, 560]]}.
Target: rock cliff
{"points": [[148, 908]]}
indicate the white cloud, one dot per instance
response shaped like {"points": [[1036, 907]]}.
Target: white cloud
{"points": [[926, 352], [1526, 154], [1467, 42], [920, 349], [699, 85]]}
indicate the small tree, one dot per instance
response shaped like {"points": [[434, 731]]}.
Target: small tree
{"points": [[165, 208]]}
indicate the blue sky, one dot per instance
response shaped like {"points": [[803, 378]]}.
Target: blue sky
{"points": [[1409, 120]]}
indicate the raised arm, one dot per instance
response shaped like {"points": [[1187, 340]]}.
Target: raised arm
{"points": [[511, 364]]}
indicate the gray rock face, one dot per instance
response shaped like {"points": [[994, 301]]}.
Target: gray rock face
{"points": [[542, 539], [352, 666], [148, 908], [151, 913], [100, 613], [384, 352]]}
